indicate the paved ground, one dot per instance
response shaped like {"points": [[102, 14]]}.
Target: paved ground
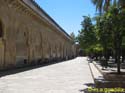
{"points": [[67, 77]]}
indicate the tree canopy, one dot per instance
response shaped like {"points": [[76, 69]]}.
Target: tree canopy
{"points": [[107, 34]]}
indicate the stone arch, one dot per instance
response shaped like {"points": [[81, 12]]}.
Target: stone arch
{"points": [[1, 46], [21, 45], [1, 29]]}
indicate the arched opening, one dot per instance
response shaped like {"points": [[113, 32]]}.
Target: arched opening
{"points": [[1, 47], [1, 29]]}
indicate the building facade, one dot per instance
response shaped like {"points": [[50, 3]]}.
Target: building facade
{"points": [[28, 35]]}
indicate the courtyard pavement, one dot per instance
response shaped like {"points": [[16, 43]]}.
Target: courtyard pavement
{"points": [[71, 76]]}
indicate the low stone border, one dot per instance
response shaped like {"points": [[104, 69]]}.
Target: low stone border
{"points": [[96, 75], [108, 80]]}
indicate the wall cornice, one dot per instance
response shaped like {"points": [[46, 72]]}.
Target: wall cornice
{"points": [[30, 8]]}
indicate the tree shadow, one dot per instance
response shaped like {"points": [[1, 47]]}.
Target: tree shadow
{"points": [[90, 84], [86, 89]]}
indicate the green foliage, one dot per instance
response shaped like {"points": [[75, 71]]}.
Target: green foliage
{"points": [[88, 37], [73, 37], [110, 28], [104, 5]]}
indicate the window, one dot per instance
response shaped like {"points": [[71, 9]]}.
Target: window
{"points": [[1, 30]]}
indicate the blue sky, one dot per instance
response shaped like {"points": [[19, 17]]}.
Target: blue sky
{"points": [[68, 13]]}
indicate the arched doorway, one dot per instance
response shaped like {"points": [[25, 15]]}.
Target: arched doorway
{"points": [[21, 47], [1, 47], [1, 29]]}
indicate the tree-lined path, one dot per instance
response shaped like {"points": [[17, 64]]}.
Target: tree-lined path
{"points": [[66, 77]]}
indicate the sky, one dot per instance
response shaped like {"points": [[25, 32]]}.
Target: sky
{"points": [[68, 13]]}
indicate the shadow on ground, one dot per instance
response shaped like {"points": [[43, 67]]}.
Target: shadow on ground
{"points": [[26, 68], [92, 85]]}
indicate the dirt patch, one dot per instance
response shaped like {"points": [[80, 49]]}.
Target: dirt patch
{"points": [[115, 76]]}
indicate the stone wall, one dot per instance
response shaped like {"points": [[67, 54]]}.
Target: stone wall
{"points": [[27, 38]]}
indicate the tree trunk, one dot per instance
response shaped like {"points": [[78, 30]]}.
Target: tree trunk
{"points": [[118, 61], [118, 49], [123, 57], [106, 57]]}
